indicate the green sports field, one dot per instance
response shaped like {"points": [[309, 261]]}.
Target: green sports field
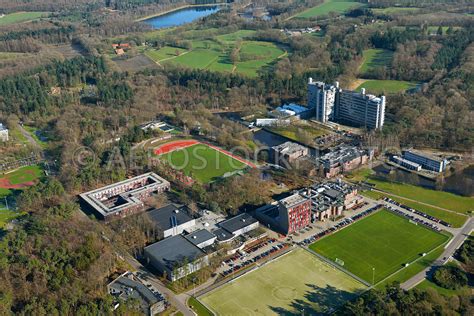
{"points": [[375, 58], [386, 86], [295, 283], [202, 162], [337, 6], [384, 241], [19, 17]]}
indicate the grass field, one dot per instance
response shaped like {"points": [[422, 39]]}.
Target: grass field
{"points": [[19, 17], [446, 200], [214, 53], [374, 58], [384, 241], [202, 162], [386, 86], [300, 133], [328, 6], [198, 308], [294, 284]]}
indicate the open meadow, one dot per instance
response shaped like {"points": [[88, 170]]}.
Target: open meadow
{"points": [[336, 6], [386, 86], [375, 58], [19, 17], [378, 245], [297, 282]]}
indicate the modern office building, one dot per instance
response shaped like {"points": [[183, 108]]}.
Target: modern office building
{"points": [[288, 215], [236, 226], [128, 286], [343, 158], [330, 199], [123, 198], [176, 257], [3, 133], [406, 163], [349, 107], [171, 220], [287, 153], [427, 161]]}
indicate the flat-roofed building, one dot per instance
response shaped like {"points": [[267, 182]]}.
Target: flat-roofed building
{"points": [[240, 224], [172, 219], [201, 238], [176, 257], [344, 158], [287, 153], [123, 198], [128, 286], [426, 160], [406, 163]]}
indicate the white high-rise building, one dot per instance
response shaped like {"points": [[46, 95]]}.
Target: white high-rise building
{"points": [[322, 97], [355, 108]]}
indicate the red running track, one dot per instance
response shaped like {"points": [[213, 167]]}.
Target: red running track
{"points": [[178, 144]]}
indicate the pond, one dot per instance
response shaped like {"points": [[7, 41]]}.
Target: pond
{"points": [[181, 16]]}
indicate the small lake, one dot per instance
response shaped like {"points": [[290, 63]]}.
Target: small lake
{"points": [[181, 16]]}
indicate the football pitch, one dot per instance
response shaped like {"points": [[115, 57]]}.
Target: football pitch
{"points": [[297, 282], [203, 163], [384, 241]]}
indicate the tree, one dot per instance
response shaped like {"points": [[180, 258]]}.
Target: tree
{"points": [[450, 277]]}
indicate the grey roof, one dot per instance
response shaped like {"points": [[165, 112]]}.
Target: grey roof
{"points": [[163, 217], [140, 291], [200, 236], [237, 222], [174, 251], [333, 194], [223, 235]]}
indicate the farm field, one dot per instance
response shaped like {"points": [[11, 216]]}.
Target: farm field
{"points": [[384, 241], [19, 17], [374, 58], [386, 86], [328, 6], [202, 162], [297, 282]]}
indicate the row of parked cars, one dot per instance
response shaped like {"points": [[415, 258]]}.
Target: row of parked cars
{"points": [[431, 218], [237, 267], [414, 219], [340, 225]]}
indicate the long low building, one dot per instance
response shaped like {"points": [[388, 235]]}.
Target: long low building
{"points": [[176, 257], [427, 161], [123, 198]]}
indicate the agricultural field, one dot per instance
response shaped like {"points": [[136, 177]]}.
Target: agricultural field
{"points": [[379, 245], [19, 17], [386, 86], [297, 282], [214, 54], [200, 161], [336, 6], [375, 58]]}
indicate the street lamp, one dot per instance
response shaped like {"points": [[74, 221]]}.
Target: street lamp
{"points": [[373, 275]]}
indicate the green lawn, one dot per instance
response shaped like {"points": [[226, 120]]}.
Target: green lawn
{"points": [[294, 284], [198, 308], [164, 53], [239, 35], [19, 17], [375, 58], [298, 132], [202, 162], [328, 6], [386, 86], [446, 200], [384, 241], [428, 284]]}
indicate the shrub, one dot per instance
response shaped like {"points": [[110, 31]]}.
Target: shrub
{"points": [[450, 277]]}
